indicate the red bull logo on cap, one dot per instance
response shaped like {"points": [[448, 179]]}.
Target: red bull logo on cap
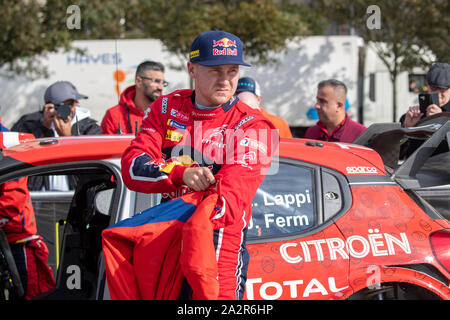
{"points": [[225, 43]]}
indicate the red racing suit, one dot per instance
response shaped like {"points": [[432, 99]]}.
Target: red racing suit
{"points": [[124, 117], [233, 140], [18, 221]]}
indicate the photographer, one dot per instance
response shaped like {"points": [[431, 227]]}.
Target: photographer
{"points": [[60, 116], [438, 80]]}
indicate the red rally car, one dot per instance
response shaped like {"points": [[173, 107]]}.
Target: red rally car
{"points": [[330, 220]]}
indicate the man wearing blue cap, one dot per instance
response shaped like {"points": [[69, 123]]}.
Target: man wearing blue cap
{"points": [[194, 140]]}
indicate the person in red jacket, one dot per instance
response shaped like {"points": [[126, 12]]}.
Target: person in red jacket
{"points": [[189, 138], [334, 125], [126, 117], [18, 222]]}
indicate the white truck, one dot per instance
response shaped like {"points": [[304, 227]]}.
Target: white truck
{"points": [[107, 67]]}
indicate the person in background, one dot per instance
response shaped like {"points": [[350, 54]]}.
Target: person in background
{"points": [[61, 114], [334, 125], [126, 117], [18, 222], [438, 80], [249, 92]]}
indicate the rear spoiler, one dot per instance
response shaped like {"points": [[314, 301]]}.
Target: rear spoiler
{"points": [[387, 138]]}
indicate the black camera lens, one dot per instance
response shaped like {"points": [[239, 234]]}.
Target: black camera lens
{"points": [[63, 111]]}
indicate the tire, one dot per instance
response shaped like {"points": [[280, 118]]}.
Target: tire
{"points": [[395, 291]]}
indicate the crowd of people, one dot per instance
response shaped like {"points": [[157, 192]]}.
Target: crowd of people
{"points": [[334, 124], [220, 100]]}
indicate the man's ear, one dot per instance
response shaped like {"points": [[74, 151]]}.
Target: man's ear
{"points": [[340, 105], [138, 81], [259, 99], [190, 67]]}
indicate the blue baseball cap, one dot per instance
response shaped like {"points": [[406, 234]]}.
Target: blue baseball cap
{"points": [[61, 91], [216, 47], [248, 84]]}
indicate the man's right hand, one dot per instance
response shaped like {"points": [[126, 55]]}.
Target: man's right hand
{"points": [[198, 178], [412, 116], [48, 115]]}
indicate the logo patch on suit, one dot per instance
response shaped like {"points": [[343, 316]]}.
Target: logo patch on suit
{"points": [[175, 124], [173, 135]]}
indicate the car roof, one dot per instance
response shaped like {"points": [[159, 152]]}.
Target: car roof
{"points": [[43, 151]]}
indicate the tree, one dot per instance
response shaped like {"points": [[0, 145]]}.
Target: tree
{"points": [[406, 30], [31, 29], [262, 25], [34, 28], [27, 30]]}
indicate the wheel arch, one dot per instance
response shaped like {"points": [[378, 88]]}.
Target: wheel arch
{"points": [[421, 276]]}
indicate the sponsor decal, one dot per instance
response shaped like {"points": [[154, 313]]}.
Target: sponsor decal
{"points": [[357, 246], [179, 115], [361, 170], [175, 124], [226, 45], [174, 135], [216, 138], [297, 288], [148, 129], [224, 42], [195, 54], [164, 105], [243, 121], [202, 115], [254, 144], [183, 160], [247, 159]]}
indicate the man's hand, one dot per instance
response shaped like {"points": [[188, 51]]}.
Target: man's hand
{"points": [[63, 126], [198, 178], [48, 115], [433, 109], [412, 116]]}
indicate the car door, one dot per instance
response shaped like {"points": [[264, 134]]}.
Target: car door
{"points": [[71, 221], [296, 251]]}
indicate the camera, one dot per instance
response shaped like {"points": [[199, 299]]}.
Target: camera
{"points": [[426, 99], [63, 110]]}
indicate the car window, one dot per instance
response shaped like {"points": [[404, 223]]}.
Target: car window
{"points": [[284, 202]]}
